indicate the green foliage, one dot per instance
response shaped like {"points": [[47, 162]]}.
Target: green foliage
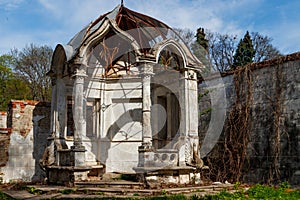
{"points": [[256, 192], [99, 193], [163, 192], [31, 64], [205, 93], [11, 85], [200, 50], [237, 185], [244, 53], [284, 185], [68, 191], [33, 190], [4, 196], [171, 197], [201, 39], [205, 111]]}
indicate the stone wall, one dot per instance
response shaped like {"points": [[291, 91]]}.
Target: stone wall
{"points": [[3, 118], [260, 104], [28, 124]]}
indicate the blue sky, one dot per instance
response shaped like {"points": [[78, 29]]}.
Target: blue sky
{"points": [[56, 21]]}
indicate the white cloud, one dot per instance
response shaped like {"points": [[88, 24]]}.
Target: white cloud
{"points": [[10, 4], [230, 16]]}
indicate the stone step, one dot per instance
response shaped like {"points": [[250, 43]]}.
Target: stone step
{"points": [[121, 184]]}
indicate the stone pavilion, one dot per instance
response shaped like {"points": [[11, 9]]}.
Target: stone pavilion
{"points": [[125, 100]]}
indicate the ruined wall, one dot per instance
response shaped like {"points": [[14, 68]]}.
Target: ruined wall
{"points": [[4, 141], [3, 120], [29, 124], [260, 140]]}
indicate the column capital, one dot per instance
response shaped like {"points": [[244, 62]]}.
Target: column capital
{"points": [[79, 73], [147, 69]]}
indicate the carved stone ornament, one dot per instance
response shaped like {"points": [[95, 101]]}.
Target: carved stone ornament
{"points": [[80, 74], [147, 70]]}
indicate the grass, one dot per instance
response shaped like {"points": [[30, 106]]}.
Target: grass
{"points": [[256, 192], [33, 190], [68, 191], [4, 196]]}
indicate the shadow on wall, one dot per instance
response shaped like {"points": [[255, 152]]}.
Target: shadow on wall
{"points": [[41, 126], [134, 115]]}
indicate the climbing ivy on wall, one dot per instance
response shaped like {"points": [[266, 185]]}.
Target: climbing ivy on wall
{"points": [[236, 152]]}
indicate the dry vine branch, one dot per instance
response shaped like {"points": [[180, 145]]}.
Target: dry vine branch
{"points": [[230, 164], [108, 54], [276, 103]]}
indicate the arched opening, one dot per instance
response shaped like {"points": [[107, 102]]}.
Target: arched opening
{"points": [[166, 93], [115, 54], [165, 115]]}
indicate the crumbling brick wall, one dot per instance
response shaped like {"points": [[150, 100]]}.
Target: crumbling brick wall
{"points": [[4, 140], [28, 128]]}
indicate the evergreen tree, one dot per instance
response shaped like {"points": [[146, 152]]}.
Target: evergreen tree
{"points": [[200, 47], [201, 39], [244, 53]]}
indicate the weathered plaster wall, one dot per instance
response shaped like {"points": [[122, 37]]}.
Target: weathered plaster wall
{"points": [[29, 124], [116, 142], [3, 116], [273, 89]]}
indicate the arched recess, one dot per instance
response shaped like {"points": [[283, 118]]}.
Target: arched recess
{"points": [[166, 92], [59, 70], [59, 59], [170, 52], [114, 53], [111, 36]]}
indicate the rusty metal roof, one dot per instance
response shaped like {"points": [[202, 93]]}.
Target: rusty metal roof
{"points": [[146, 30]]}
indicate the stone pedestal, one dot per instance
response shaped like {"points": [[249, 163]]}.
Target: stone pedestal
{"points": [[66, 175], [146, 156], [78, 155], [70, 167]]}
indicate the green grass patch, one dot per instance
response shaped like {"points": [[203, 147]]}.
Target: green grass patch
{"points": [[3, 196], [33, 190], [68, 191], [256, 192]]}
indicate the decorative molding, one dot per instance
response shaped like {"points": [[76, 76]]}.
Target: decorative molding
{"points": [[147, 70]]}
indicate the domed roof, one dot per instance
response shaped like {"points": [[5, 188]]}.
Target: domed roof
{"points": [[146, 30], [146, 34]]}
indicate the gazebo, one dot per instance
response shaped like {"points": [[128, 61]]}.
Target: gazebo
{"points": [[124, 99]]}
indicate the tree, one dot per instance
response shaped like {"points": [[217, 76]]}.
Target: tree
{"points": [[244, 53], [200, 48], [186, 35], [32, 64], [221, 50], [264, 50], [12, 87], [201, 39]]}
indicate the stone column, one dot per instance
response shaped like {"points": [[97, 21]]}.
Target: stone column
{"points": [[54, 134], [183, 100], [146, 154], [78, 110], [192, 93], [147, 73], [169, 110], [53, 118]]}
